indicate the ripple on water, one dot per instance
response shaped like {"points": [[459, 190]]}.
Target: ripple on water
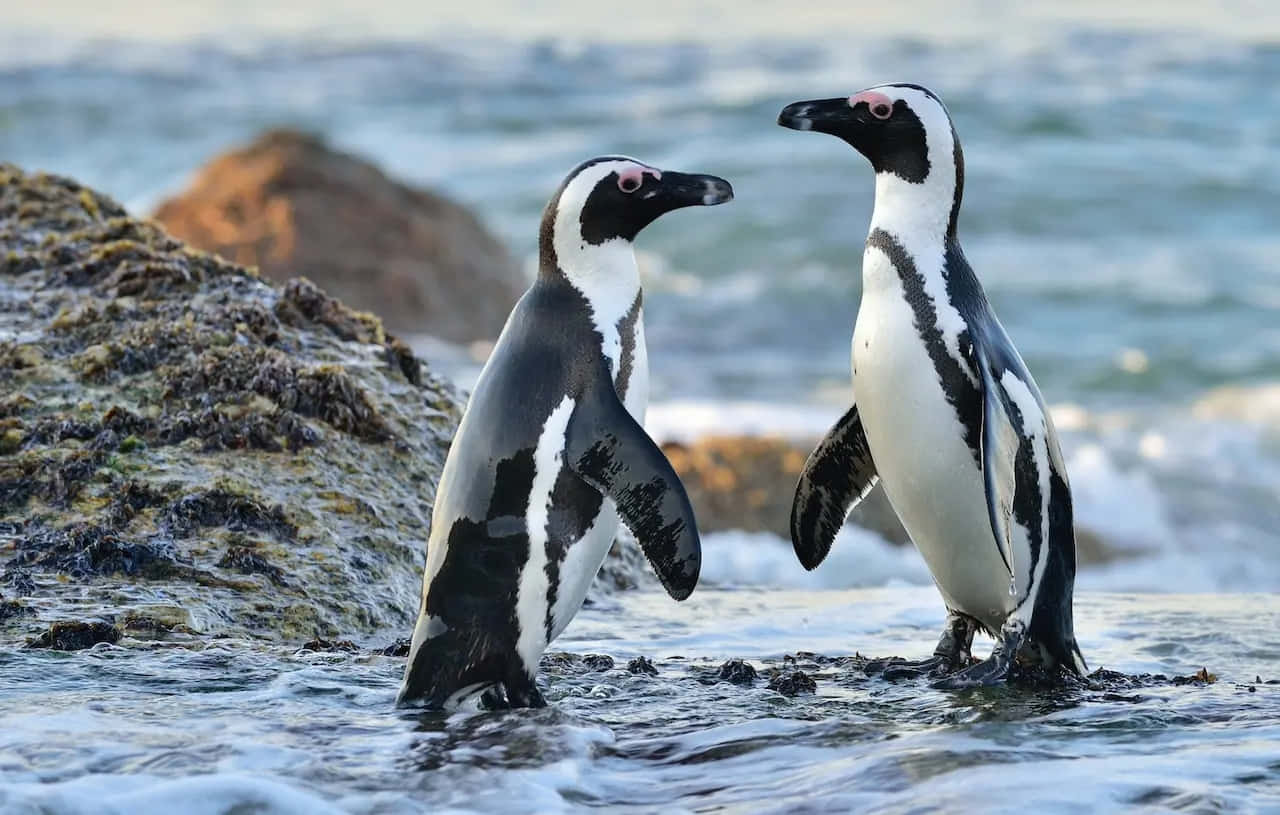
{"points": [[117, 729]]}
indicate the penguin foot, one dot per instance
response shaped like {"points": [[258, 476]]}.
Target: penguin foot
{"points": [[951, 653], [895, 668], [522, 691], [992, 671], [494, 699]]}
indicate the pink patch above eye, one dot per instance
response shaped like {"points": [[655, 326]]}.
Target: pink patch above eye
{"points": [[881, 106], [630, 179]]}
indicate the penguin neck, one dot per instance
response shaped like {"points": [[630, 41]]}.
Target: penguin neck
{"points": [[925, 212], [921, 212], [606, 275]]}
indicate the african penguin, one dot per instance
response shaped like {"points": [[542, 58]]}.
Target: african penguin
{"points": [[551, 451], [947, 416]]}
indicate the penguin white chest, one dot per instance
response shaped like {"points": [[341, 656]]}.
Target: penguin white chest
{"points": [[918, 443]]}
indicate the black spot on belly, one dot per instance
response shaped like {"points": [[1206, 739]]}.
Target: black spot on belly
{"points": [[475, 591], [963, 395]]}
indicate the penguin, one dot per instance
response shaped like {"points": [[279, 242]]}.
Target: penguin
{"points": [[551, 451], [946, 414]]}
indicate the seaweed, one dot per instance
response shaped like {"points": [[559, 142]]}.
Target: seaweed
{"points": [[738, 672], [792, 683], [219, 507], [319, 644], [641, 665], [74, 635], [84, 550], [159, 405], [247, 561]]}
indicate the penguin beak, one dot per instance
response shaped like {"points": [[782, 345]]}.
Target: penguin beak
{"points": [[832, 116], [675, 190]]}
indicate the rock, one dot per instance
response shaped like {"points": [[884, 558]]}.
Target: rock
{"points": [[190, 436], [738, 672], [75, 636], [641, 665], [346, 646], [292, 206], [598, 662], [11, 608], [399, 648], [792, 683], [748, 482]]}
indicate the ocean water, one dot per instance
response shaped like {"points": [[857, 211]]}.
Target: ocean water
{"points": [[240, 728], [1122, 209]]}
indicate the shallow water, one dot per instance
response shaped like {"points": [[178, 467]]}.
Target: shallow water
{"points": [[242, 728]]}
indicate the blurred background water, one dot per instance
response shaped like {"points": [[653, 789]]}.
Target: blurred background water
{"points": [[1122, 196]]}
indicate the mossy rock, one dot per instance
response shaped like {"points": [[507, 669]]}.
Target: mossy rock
{"points": [[175, 433]]}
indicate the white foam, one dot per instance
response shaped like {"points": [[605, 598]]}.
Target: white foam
{"points": [[213, 794], [1125, 507], [1255, 404]]}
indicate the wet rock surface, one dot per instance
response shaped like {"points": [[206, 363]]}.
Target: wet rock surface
{"points": [[176, 432], [641, 665], [801, 674], [738, 672], [292, 206], [792, 683], [76, 636]]}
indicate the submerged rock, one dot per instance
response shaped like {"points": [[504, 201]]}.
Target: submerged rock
{"points": [[75, 636], [642, 665], [178, 433], [792, 683], [290, 205], [738, 672]]}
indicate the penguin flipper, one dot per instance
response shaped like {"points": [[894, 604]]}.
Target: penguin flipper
{"points": [[1000, 442], [838, 474], [609, 449]]}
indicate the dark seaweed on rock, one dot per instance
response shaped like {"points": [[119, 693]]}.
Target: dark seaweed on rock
{"points": [[75, 635], [171, 425], [81, 550]]}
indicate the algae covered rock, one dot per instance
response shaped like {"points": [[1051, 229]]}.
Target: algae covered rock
{"points": [[187, 448], [291, 205]]}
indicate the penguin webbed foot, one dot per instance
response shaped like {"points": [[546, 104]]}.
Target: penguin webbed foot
{"points": [[895, 668], [494, 699], [951, 654], [522, 691], [993, 670]]}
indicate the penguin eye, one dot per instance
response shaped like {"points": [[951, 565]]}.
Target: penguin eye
{"points": [[881, 110], [629, 183]]}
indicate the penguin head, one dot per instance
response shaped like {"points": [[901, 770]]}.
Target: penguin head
{"points": [[901, 129], [612, 198], [906, 133]]}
